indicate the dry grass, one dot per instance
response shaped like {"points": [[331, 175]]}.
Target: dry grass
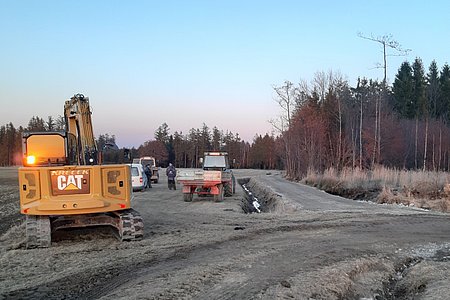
{"points": [[443, 205], [425, 189], [389, 197]]}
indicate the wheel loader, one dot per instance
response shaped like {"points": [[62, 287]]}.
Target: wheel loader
{"points": [[63, 183]]}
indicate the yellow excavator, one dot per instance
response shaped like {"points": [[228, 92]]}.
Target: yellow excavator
{"points": [[63, 183]]}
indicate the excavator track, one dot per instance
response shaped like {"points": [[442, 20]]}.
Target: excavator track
{"points": [[128, 224], [38, 232], [131, 226]]}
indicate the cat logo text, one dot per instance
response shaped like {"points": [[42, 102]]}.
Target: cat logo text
{"points": [[70, 182]]}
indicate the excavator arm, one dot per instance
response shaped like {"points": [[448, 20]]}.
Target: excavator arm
{"points": [[77, 114]]}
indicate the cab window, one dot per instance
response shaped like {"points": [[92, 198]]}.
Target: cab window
{"points": [[134, 171]]}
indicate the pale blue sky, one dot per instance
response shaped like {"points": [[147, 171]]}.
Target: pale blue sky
{"points": [[143, 63]]}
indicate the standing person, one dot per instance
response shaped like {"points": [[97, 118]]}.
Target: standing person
{"points": [[171, 173], [148, 173]]}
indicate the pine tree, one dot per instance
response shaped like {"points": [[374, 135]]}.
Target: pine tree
{"points": [[444, 83], [162, 133], [419, 89], [194, 155], [420, 106], [216, 139], [179, 150], [403, 91], [3, 146], [60, 123], [205, 139], [436, 109], [50, 124], [36, 124], [11, 138]]}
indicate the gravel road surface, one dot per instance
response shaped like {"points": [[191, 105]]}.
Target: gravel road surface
{"points": [[320, 247]]}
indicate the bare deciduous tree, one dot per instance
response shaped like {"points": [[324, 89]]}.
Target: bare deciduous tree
{"points": [[285, 97]]}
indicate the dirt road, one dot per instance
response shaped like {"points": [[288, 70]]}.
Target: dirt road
{"points": [[321, 247]]}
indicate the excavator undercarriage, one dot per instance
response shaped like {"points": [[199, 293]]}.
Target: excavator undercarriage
{"points": [[127, 224]]}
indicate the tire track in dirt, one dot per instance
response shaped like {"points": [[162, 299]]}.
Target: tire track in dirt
{"points": [[94, 283], [234, 247], [9, 202]]}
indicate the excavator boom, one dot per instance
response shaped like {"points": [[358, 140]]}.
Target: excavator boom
{"points": [[77, 114]]}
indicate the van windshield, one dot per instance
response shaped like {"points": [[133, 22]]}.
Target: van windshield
{"points": [[147, 162]]}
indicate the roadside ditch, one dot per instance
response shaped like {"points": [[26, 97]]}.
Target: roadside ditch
{"points": [[250, 203], [259, 198]]}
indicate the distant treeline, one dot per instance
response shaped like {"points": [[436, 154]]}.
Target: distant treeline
{"points": [[324, 123], [182, 150], [185, 150], [327, 123]]}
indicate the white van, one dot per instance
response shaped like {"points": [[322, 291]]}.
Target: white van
{"points": [[151, 162], [138, 178]]}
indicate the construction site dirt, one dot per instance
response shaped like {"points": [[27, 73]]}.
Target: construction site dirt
{"points": [[306, 245]]}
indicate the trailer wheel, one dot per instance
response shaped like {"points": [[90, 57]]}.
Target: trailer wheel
{"points": [[187, 197], [219, 197], [234, 183], [228, 189]]}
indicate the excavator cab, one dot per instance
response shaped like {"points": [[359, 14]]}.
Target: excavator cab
{"points": [[56, 148], [44, 149]]}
